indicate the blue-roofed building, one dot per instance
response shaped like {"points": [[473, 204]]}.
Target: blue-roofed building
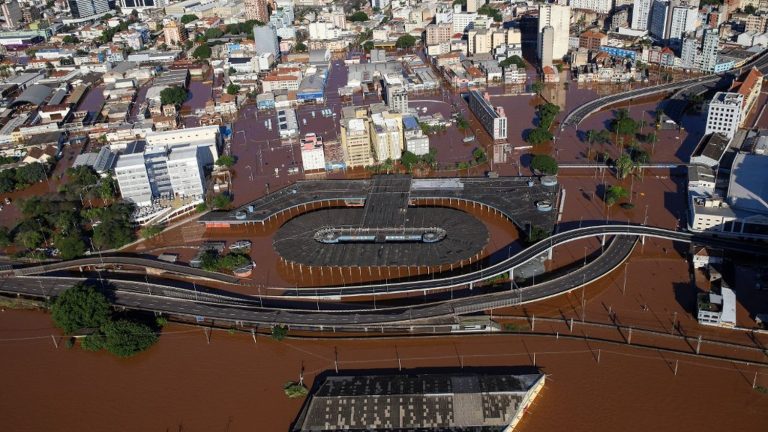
{"points": [[619, 52], [312, 87]]}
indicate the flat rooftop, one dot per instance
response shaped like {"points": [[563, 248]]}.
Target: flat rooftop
{"points": [[418, 402], [512, 196]]}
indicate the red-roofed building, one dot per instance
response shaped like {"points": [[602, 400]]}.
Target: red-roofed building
{"points": [[550, 74], [749, 84], [273, 82], [592, 40]]}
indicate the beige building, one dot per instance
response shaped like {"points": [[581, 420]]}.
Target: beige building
{"points": [[387, 136], [356, 141], [479, 41], [175, 34], [256, 10], [439, 33]]}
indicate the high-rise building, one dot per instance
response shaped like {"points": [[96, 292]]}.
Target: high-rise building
{"points": [[657, 26], [479, 41], [724, 113], [256, 10], [129, 5], [439, 33], [559, 18], [12, 13], [493, 120], [381, 4], [684, 19], [186, 172], [356, 142], [88, 8], [547, 38], [265, 40], [709, 48], [462, 21], [599, 6], [641, 13], [749, 84], [387, 136], [415, 140], [396, 93], [175, 34]]}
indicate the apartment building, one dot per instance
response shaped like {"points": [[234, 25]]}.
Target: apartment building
{"points": [[724, 113], [356, 142]]}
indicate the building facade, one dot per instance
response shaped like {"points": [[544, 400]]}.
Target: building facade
{"points": [[356, 142], [641, 13], [256, 10], [88, 8], [724, 113], [559, 18], [493, 120]]}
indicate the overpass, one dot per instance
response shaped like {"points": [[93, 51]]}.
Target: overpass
{"points": [[469, 279], [140, 296], [683, 89]]}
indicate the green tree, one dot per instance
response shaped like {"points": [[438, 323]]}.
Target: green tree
{"points": [[226, 160], [749, 9], [213, 33], [174, 95], [537, 87], [478, 155], [80, 307], [70, 244], [221, 201], [408, 160], [69, 39], [544, 164], [126, 338], [624, 166], [116, 228], [29, 239], [494, 13], [279, 332], [233, 89], [461, 122], [5, 237], [622, 124], [300, 47], [150, 231], [295, 390], [368, 46], [538, 136], [186, 19], [536, 233], [108, 187], [547, 113], [202, 52], [614, 193], [514, 60], [405, 41], [359, 16]]}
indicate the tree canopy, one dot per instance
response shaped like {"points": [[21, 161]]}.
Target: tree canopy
{"points": [[174, 95], [116, 228], [544, 164], [538, 136], [232, 89], [202, 52], [405, 41], [622, 124], [226, 160], [186, 19], [614, 194], [125, 338], [358, 16], [494, 13], [514, 60], [80, 307]]}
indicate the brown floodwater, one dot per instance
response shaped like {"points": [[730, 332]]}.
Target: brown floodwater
{"points": [[234, 384]]}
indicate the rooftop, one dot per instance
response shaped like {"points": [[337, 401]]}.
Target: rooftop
{"points": [[747, 189], [446, 402]]}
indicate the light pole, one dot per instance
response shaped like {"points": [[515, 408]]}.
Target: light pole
{"points": [[585, 255]]}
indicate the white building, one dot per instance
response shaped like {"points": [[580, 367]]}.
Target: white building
{"points": [[205, 137], [724, 113], [386, 137], [709, 48], [396, 93], [323, 31], [599, 6], [186, 172], [493, 120], [684, 19], [265, 40], [312, 153], [133, 179], [462, 21], [641, 12], [415, 140], [559, 18]]}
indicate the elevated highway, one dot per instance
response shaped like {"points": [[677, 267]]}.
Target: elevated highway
{"points": [[468, 279], [683, 90]]}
